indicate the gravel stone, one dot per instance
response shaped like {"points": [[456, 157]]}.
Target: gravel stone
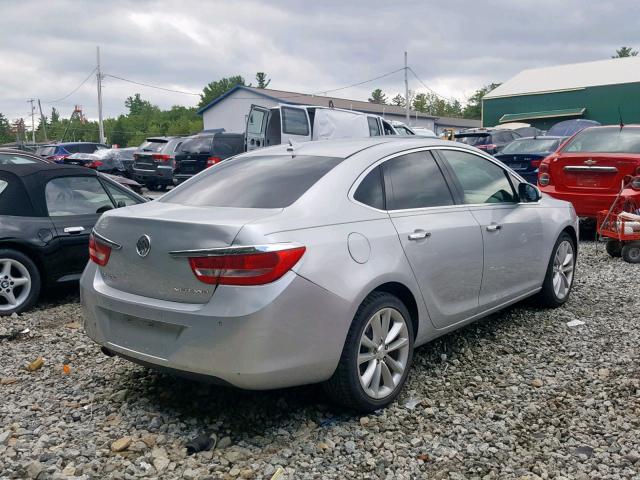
{"points": [[519, 395]]}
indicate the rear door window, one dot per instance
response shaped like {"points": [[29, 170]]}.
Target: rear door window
{"points": [[370, 191], [76, 196], [294, 121], [481, 180], [228, 146], [414, 180], [122, 198], [253, 182]]}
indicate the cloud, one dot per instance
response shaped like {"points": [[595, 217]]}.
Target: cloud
{"points": [[455, 47]]}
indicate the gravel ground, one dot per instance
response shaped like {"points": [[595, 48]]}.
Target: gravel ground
{"points": [[518, 395]]}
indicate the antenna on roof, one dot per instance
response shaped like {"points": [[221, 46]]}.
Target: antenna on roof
{"points": [[330, 103], [290, 147], [620, 116]]}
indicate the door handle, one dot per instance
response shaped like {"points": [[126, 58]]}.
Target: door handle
{"points": [[494, 227], [73, 230], [419, 235]]}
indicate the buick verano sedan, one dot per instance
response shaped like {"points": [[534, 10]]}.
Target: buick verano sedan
{"points": [[326, 261]]}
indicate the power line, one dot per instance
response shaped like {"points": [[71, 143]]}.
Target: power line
{"points": [[359, 83], [150, 86], [431, 89], [73, 91]]}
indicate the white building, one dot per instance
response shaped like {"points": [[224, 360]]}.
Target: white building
{"points": [[229, 111]]}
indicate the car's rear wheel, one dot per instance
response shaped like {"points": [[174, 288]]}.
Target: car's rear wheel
{"points": [[614, 248], [19, 282], [376, 357], [631, 252], [560, 272]]}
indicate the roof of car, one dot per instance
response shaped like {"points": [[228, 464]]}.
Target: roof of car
{"points": [[346, 147], [53, 169]]}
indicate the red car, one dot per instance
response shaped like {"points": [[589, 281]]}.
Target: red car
{"points": [[589, 169]]}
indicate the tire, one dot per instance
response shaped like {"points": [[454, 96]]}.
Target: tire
{"points": [[549, 297], [631, 252], [14, 266], [152, 186], [345, 387], [614, 248]]}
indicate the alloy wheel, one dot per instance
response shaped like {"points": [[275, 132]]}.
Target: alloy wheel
{"points": [[563, 268], [383, 353], [15, 284]]}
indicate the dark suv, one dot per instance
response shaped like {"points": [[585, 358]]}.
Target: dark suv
{"points": [[491, 141], [205, 150], [59, 151], [154, 161]]}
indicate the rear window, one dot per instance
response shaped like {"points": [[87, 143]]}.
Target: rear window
{"points": [[294, 121], [531, 145], [45, 151], [152, 146], [253, 182], [196, 145], [473, 140], [228, 146], [605, 140]]}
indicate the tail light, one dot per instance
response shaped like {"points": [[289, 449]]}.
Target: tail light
{"points": [[211, 161], [99, 251], [260, 266], [489, 146], [161, 157], [544, 178], [95, 164]]}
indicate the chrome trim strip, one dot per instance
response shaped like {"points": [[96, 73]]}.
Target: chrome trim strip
{"points": [[579, 168], [233, 250], [111, 243]]}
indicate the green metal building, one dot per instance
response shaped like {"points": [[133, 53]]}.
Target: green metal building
{"points": [[604, 91]]}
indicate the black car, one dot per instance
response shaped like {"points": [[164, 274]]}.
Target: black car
{"points": [[525, 154], [154, 161], [47, 212], [202, 151], [491, 141]]}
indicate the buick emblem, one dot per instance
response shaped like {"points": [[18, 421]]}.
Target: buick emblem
{"points": [[590, 162], [143, 245]]}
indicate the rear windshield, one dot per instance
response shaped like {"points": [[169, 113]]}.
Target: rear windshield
{"points": [[196, 145], [605, 140], [473, 140], [152, 146], [253, 182], [531, 145], [45, 151]]}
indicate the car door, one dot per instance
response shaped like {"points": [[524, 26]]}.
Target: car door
{"points": [[74, 204], [441, 240], [256, 130], [295, 124], [512, 231]]}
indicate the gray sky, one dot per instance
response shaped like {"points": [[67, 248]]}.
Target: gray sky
{"points": [[48, 47]]}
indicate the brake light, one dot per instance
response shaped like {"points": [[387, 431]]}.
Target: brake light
{"points": [[544, 178], [99, 252], [161, 156], [95, 164], [490, 146], [246, 268], [211, 161]]}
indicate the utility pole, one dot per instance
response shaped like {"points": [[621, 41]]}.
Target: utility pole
{"points": [[406, 87], [33, 121], [99, 79], [44, 122]]}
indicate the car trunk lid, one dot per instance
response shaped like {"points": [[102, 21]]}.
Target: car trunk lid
{"points": [[172, 227], [522, 162], [597, 173]]}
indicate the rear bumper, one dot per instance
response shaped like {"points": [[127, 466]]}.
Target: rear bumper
{"points": [[290, 332], [585, 204], [160, 176]]}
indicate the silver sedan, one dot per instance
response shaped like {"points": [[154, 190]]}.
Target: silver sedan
{"points": [[327, 261]]}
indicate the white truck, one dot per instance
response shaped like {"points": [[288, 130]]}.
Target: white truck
{"points": [[302, 123]]}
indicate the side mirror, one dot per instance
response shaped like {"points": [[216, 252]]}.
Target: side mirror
{"points": [[527, 193]]}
